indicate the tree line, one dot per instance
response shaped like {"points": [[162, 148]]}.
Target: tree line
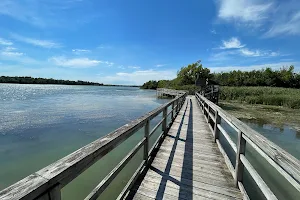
{"points": [[31, 80], [284, 77], [186, 77]]}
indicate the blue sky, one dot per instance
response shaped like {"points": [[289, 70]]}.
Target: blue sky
{"points": [[133, 41]]}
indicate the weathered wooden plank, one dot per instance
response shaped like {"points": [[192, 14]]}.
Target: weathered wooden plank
{"points": [[180, 192], [220, 169], [199, 159], [170, 142], [201, 184], [193, 173], [195, 187], [193, 155], [152, 194], [26, 185], [181, 150], [201, 179], [225, 180], [186, 191]]}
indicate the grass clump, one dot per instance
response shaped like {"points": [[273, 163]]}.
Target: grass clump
{"points": [[286, 97]]}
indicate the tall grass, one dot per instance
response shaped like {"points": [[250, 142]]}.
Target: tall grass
{"points": [[286, 97]]}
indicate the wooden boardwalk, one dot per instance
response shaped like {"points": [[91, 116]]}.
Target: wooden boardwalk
{"points": [[188, 164]]}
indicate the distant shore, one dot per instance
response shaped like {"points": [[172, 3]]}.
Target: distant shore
{"points": [[50, 81]]}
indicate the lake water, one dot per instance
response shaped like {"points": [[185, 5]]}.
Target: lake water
{"points": [[41, 123], [287, 138]]}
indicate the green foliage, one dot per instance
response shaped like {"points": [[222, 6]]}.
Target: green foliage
{"points": [[30, 80], [287, 97], [185, 80], [285, 77], [188, 75], [150, 85]]}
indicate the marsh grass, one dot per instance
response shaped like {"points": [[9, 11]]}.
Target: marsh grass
{"points": [[286, 97]]}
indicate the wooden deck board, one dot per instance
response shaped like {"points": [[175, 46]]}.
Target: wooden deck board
{"points": [[188, 164]]}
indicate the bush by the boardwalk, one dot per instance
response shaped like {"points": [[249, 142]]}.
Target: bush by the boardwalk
{"points": [[287, 97]]}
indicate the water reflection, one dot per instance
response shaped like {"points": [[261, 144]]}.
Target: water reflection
{"points": [[284, 136]]}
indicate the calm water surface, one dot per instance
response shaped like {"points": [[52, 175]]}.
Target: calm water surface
{"points": [[287, 138], [42, 123]]}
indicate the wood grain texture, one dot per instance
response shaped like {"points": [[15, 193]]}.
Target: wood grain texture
{"points": [[188, 164]]}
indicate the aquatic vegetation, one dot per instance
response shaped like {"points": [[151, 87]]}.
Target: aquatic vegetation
{"points": [[286, 97]]}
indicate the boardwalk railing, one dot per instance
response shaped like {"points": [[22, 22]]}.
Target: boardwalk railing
{"points": [[211, 92], [48, 182], [170, 92], [283, 162]]}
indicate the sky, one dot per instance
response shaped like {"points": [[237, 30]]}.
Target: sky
{"points": [[133, 41]]}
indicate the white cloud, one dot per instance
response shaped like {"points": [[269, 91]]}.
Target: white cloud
{"points": [[232, 43], [286, 26], [233, 47], [250, 11], [138, 77], [74, 62], [102, 46], [213, 32], [5, 42], [11, 52], [248, 52], [258, 53], [278, 18], [108, 63], [37, 42], [134, 67], [121, 67], [160, 65], [78, 51], [77, 62]]}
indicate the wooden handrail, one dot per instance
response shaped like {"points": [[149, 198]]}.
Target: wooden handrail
{"points": [[47, 182], [287, 165]]}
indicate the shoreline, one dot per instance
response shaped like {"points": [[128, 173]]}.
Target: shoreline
{"points": [[277, 116]]}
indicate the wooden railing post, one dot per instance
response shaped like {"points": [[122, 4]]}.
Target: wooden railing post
{"points": [[207, 113], [172, 114], [239, 167], [146, 145], [164, 124], [217, 121]]}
